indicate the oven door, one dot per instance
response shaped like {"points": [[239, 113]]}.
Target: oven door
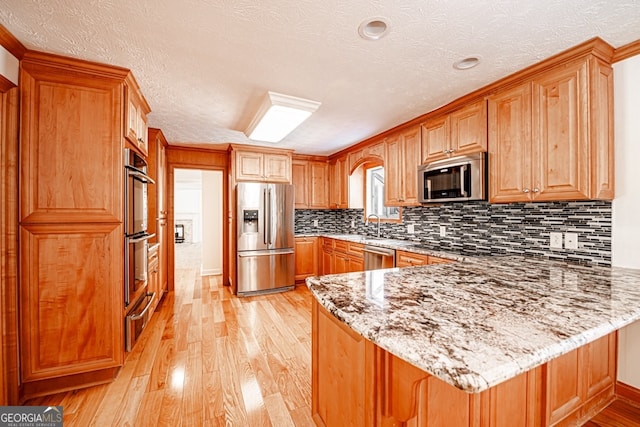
{"points": [[136, 321], [136, 265], [136, 201]]}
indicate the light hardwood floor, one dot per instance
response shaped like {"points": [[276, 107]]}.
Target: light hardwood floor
{"points": [[208, 359]]}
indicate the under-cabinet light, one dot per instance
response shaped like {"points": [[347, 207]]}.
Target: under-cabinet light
{"points": [[278, 116]]}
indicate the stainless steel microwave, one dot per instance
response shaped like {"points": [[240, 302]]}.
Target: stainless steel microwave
{"points": [[455, 179]]}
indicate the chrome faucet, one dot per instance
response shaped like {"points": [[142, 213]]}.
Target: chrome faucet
{"points": [[366, 222]]}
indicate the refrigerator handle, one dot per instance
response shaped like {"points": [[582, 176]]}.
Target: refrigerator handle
{"points": [[266, 217], [270, 219]]}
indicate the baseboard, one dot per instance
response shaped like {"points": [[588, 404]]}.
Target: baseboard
{"points": [[627, 392], [211, 272]]}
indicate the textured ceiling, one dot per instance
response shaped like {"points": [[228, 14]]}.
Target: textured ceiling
{"points": [[204, 65]]}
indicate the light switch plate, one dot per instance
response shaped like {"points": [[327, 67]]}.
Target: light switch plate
{"points": [[353, 224], [315, 222], [411, 229], [571, 240], [555, 240], [443, 231]]}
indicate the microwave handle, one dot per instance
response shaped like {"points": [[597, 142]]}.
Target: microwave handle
{"points": [[463, 171]]}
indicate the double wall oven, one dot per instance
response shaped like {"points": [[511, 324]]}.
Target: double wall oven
{"points": [[137, 298]]}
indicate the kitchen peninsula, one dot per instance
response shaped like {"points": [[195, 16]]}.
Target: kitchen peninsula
{"points": [[484, 341]]}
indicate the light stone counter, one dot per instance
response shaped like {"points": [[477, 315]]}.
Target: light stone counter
{"points": [[481, 321]]}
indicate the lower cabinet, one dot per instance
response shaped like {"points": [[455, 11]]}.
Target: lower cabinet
{"points": [[341, 256], [306, 249], [153, 268], [411, 259], [379, 389]]}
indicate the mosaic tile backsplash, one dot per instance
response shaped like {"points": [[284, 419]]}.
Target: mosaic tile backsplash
{"points": [[480, 228]]}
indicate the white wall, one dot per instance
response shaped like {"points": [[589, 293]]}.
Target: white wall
{"points": [[211, 222], [625, 235], [9, 65]]}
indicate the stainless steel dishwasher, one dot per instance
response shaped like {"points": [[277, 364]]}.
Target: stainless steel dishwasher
{"points": [[376, 258]]}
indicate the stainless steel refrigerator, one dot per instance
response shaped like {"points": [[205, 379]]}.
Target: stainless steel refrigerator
{"points": [[265, 238]]}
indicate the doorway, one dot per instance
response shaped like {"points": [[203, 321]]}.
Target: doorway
{"points": [[198, 227]]}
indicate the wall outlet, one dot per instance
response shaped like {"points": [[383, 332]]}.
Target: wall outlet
{"points": [[353, 224], [315, 222], [411, 229], [555, 240], [571, 240], [443, 231]]}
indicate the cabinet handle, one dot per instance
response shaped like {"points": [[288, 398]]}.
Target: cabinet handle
{"points": [[536, 190], [445, 151], [525, 190], [452, 151]]}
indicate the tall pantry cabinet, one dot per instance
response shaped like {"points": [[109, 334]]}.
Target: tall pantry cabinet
{"points": [[71, 222]]}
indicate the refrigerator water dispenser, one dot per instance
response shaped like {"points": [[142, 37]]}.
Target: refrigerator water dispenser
{"points": [[250, 221]]}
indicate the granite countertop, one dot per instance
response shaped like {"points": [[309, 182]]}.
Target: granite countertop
{"points": [[477, 323]]}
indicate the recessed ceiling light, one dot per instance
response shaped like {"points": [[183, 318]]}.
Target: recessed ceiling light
{"points": [[373, 28], [466, 63]]}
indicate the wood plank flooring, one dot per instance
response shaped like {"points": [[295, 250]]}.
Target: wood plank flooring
{"points": [[208, 359]]}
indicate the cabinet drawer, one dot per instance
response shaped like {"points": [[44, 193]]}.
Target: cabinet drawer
{"points": [[341, 246], [437, 260], [356, 250], [406, 259]]}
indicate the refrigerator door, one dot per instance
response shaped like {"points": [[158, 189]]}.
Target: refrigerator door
{"points": [[279, 216], [265, 216], [251, 208], [265, 271]]}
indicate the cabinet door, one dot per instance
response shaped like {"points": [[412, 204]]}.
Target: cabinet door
{"points": [[306, 249], [564, 385], [163, 255], [339, 184], [393, 171], [277, 167], [435, 139], [341, 362], [318, 188], [132, 118], [355, 264], [71, 299], [340, 263], [299, 175], [327, 260], [161, 182], [410, 163], [600, 360], [560, 134], [469, 129], [249, 166], [142, 132], [510, 145]]}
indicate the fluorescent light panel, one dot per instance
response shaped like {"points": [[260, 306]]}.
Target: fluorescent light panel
{"points": [[278, 116]]}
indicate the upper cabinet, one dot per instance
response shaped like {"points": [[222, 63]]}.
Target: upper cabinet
{"points": [[339, 183], [402, 158], [261, 165], [550, 137], [310, 179], [462, 131], [136, 116]]}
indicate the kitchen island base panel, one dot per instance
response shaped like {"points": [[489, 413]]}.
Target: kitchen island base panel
{"points": [[355, 382]]}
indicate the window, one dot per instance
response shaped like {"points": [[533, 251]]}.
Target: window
{"points": [[375, 196]]}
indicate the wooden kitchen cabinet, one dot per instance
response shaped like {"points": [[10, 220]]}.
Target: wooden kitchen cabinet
{"points": [[327, 256], [410, 259], [136, 116], [463, 131], [402, 158], [153, 271], [544, 141], [157, 207], [70, 223], [262, 165], [310, 179], [306, 250], [339, 183], [348, 257]]}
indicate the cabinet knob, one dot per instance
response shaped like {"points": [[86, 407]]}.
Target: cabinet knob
{"points": [[525, 190], [536, 190], [445, 151]]}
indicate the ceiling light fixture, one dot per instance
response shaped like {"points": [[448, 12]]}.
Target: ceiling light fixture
{"points": [[373, 28], [278, 116], [466, 63]]}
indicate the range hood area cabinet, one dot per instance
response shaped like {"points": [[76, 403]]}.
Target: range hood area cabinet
{"points": [[70, 223], [550, 137]]}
